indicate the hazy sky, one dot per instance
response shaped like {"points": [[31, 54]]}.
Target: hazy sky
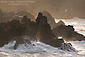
{"points": [[57, 8]]}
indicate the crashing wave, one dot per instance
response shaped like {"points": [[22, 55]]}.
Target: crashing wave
{"points": [[37, 47], [39, 50]]}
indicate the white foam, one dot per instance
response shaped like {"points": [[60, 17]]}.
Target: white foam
{"points": [[41, 50], [80, 46]]}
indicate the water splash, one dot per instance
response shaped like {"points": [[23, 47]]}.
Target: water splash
{"points": [[39, 50]]}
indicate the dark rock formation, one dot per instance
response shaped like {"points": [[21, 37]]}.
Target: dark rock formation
{"points": [[44, 32], [38, 30], [68, 33], [16, 28], [21, 40], [67, 47], [30, 27], [60, 23], [50, 19]]}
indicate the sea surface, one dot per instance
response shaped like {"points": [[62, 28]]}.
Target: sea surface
{"points": [[43, 50]]}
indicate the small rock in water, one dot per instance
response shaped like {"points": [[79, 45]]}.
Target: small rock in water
{"points": [[67, 47]]}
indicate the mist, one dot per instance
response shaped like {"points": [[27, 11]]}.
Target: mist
{"points": [[58, 8]]}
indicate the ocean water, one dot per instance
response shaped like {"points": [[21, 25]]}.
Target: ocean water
{"points": [[43, 50]]}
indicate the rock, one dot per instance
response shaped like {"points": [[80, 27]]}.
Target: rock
{"points": [[30, 26], [68, 47], [38, 30], [44, 32], [68, 33], [14, 28], [20, 40], [60, 41], [50, 19], [60, 23]]}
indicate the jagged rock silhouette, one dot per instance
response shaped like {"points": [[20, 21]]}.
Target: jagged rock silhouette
{"points": [[68, 33], [44, 30], [39, 29]]}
